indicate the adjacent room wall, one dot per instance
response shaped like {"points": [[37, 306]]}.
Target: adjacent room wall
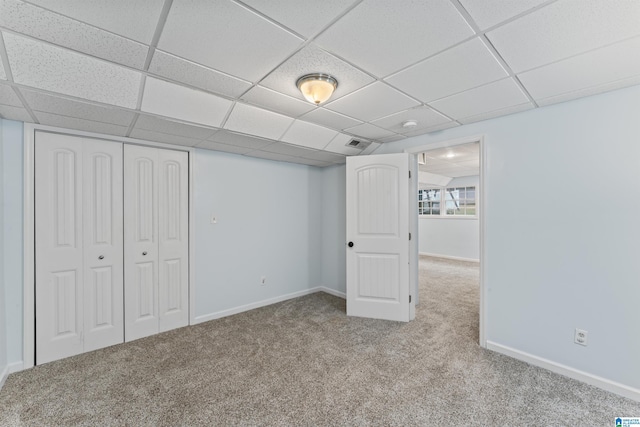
{"points": [[3, 310], [451, 237], [334, 228], [562, 231]]}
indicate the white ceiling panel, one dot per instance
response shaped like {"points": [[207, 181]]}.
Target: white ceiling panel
{"points": [[171, 100], [392, 138], [15, 113], [324, 156], [150, 135], [138, 22], [488, 13], [496, 113], [308, 135], [424, 116], [605, 65], [42, 24], [59, 70], [330, 119], [371, 148], [257, 121], [365, 104], [9, 97], [273, 156], [227, 37], [619, 84], [563, 29], [312, 59], [289, 150], [339, 145], [158, 124], [217, 146], [75, 123], [3, 73], [483, 99], [436, 128], [46, 103], [383, 37], [277, 101], [183, 71], [306, 17], [369, 131], [463, 67], [310, 162], [238, 139]]}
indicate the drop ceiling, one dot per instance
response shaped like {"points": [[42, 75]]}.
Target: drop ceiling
{"points": [[452, 162], [220, 74]]}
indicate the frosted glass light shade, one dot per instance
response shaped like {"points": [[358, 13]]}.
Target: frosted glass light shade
{"points": [[317, 88]]}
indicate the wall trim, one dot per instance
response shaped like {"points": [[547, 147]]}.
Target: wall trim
{"points": [[456, 258], [269, 301], [567, 371]]}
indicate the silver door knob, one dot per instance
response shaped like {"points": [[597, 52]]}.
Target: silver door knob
{"points": [[144, 253], [101, 257]]}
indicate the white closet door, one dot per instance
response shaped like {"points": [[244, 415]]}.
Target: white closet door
{"points": [[173, 211], [103, 251], [59, 257], [141, 241]]}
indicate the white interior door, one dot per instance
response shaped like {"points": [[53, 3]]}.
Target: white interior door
{"points": [[78, 219], [378, 280]]}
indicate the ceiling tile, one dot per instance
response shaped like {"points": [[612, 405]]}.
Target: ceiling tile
{"points": [[370, 131], [463, 67], [308, 135], [488, 13], [80, 124], [339, 145], [619, 84], [9, 112], [39, 101], [273, 156], [330, 119], [9, 97], [3, 73], [316, 163], [305, 17], [240, 140], [615, 62], [494, 96], [55, 69], [42, 24], [437, 128], [392, 138], [289, 150], [183, 71], [227, 37], [496, 113], [276, 101], [138, 23], [370, 149], [149, 135], [563, 29], [365, 104], [171, 100], [256, 121], [171, 127], [211, 145], [425, 117], [324, 156], [312, 59], [367, 37]]}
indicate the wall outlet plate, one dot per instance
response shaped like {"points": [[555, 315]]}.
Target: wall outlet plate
{"points": [[581, 337]]}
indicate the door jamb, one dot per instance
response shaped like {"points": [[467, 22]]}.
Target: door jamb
{"points": [[482, 213]]}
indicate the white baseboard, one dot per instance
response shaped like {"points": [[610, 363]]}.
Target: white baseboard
{"points": [[567, 371], [264, 303], [333, 292], [456, 258]]}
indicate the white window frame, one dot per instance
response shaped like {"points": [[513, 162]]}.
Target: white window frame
{"points": [[443, 206]]}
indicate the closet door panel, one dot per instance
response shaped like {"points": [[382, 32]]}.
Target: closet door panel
{"points": [[59, 247], [103, 244], [140, 241], [173, 213]]}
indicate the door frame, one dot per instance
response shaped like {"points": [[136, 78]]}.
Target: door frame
{"points": [[28, 286], [482, 215]]}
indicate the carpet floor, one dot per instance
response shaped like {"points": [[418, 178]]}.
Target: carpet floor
{"points": [[303, 362]]}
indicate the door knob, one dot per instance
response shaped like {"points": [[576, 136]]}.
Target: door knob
{"points": [[101, 257], [144, 253], [350, 244]]}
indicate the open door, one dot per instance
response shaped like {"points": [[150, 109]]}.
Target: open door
{"points": [[378, 236]]}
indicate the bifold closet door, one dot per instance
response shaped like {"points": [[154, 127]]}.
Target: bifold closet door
{"points": [[78, 236], [156, 240]]}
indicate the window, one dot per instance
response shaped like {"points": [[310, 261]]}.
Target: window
{"points": [[449, 201]]}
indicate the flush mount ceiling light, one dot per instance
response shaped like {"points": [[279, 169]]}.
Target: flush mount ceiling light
{"points": [[410, 124], [317, 87]]}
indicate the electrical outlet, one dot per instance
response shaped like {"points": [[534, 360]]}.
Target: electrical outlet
{"points": [[263, 280], [581, 337]]}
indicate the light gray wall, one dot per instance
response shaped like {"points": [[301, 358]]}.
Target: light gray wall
{"points": [[334, 228], [269, 224], [452, 237], [3, 309], [562, 230]]}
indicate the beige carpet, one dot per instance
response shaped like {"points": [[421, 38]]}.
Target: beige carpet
{"points": [[304, 363]]}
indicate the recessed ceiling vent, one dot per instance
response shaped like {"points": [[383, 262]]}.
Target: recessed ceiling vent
{"points": [[359, 144]]}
